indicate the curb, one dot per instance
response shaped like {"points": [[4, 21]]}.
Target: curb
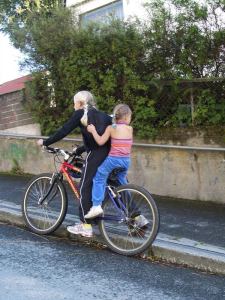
{"points": [[191, 253], [180, 251]]}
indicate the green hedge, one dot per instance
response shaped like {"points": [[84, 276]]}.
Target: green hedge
{"points": [[143, 66]]}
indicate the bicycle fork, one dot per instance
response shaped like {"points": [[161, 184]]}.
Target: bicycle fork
{"points": [[55, 177]]}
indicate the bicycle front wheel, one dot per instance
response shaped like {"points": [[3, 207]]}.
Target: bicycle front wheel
{"points": [[46, 217], [130, 223]]}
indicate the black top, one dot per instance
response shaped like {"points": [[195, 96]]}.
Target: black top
{"points": [[99, 119]]}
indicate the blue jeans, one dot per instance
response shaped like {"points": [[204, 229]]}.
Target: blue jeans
{"points": [[100, 179]]}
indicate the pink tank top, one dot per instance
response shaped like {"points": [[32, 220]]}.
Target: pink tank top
{"points": [[120, 147]]}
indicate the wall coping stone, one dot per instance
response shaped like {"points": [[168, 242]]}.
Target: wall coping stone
{"points": [[166, 146]]}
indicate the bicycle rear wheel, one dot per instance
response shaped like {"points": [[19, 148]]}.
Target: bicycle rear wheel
{"points": [[130, 225], [46, 217]]}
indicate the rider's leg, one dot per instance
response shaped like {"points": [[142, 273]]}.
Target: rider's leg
{"points": [[124, 162], [99, 181], [93, 161], [122, 177], [98, 190]]}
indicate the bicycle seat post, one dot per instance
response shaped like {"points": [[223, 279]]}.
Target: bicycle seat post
{"points": [[111, 191]]}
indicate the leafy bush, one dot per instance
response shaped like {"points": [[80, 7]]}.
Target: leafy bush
{"points": [[150, 66], [208, 110], [108, 61]]}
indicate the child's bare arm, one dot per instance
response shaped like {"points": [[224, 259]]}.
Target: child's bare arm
{"points": [[100, 139]]}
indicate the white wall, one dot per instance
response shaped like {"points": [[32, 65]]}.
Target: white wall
{"points": [[131, 8], [86, 6], [134, 8]]}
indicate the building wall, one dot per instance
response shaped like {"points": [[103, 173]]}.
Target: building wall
{"points": [[187, 174], [134, 9], [13, 117], [131, 8]]}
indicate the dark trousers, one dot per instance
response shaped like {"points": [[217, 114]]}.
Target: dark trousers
{"points": [[93, 160]]}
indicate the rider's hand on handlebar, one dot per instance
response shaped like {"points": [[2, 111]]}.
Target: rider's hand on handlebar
{"points": [[79, 150]]}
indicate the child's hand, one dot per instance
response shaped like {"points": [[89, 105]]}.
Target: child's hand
{"points": [[40, 142], [91, 128]]}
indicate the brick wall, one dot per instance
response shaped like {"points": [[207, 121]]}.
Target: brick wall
{"points": [[12, 112]]}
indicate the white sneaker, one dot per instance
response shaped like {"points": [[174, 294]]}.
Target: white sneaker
{"points": [[94, 212], [82, 229], [140, 221]]}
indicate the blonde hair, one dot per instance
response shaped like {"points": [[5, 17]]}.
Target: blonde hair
{"points": [[120, 111], [88, 101]]}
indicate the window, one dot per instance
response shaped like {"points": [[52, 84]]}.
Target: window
{"points": [[103, 13]]}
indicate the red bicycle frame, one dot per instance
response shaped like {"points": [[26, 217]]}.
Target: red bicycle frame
{"points": [[64, 169]]}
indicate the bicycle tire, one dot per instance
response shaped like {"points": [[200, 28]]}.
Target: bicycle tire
{"points": [[45, 218], [120, 231]]}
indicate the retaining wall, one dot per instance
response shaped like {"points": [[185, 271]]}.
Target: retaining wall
{"points": [[181, 172]]}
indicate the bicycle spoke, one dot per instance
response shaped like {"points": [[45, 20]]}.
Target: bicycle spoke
{"points": [[45, 217], [138, 228]]}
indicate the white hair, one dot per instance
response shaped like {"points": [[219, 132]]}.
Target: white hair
{"points": [[88, 101]]}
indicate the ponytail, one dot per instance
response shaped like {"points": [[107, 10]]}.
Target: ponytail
{"points": [[88, 100], [84, 119], [113, 121]]}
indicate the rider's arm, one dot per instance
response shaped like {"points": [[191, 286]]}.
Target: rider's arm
{"points": [[101, 139], [71, 124]]}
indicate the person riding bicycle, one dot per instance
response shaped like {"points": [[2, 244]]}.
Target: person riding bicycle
{"points": [[121, 134], [85, 113]]}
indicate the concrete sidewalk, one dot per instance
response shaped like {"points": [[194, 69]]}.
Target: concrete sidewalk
{"points": [[191, 232]]}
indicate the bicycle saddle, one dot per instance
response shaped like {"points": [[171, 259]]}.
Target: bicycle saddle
{"points": [[112, 179], [117, 171]]}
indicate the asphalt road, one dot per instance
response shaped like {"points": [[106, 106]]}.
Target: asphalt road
{"points": [[34, 267]]}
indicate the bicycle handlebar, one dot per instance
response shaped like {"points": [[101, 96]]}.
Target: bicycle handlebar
{"points": [[64, 153]]}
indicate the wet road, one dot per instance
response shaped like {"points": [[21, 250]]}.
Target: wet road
{"points": [[34, 267]]}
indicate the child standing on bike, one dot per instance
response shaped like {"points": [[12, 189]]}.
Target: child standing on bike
{"points": [[121, 134]]}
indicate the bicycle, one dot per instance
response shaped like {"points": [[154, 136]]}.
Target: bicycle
{"points": [[45, 203]]}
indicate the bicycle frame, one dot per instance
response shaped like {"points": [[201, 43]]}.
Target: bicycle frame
{"points": [[64, 169], [65, 166], [130, 219]]}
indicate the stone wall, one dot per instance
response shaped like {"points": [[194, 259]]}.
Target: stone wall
{"points": [[13, 117], [180, 173]]}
